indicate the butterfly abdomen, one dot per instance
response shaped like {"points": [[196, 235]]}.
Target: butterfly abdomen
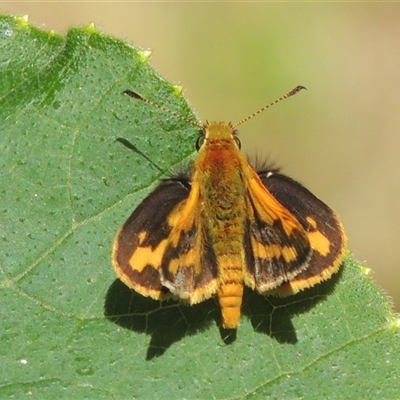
{"points": [[229, 251], [227, 241]]}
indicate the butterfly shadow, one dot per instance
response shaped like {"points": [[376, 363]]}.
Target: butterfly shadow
{"points": [[167, 322], [170, 321], [272, 315]]}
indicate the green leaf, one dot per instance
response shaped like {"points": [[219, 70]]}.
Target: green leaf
{"points": [[69, 328]]}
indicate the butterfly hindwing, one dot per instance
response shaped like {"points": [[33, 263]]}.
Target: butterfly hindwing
{"points": [[189, 268], [324, 230]]}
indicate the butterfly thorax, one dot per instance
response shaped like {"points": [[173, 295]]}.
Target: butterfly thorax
{"points": [[221, 183]]}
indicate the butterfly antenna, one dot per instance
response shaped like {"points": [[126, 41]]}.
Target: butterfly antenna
{"points": [[285, 96], [137, 96]]}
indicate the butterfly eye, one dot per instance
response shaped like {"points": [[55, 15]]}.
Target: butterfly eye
{"points": [[237, 141], [200, 142]]}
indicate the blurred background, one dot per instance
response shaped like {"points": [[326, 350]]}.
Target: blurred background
{"points": [[341, 138]]}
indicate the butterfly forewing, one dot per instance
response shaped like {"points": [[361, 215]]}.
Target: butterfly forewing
{"points": [[141, 242]]}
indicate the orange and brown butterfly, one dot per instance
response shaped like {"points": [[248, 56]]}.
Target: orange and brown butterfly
{"points": [[225, 226]]}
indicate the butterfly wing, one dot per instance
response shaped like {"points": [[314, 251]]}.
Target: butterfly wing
{"points": [[159, 250], [277, 247], [324, 231]]}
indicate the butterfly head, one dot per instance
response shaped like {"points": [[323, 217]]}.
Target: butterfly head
{"points": [[217, 135]]}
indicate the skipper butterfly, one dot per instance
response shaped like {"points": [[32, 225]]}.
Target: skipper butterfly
{"points": [[224, 226]]}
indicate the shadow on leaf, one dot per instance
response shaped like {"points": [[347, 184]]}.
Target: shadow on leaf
{"points": [[167, 322], [170, 321], [273, 315]]}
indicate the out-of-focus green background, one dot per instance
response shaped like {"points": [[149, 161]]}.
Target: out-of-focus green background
{"points": [[341, 138]]}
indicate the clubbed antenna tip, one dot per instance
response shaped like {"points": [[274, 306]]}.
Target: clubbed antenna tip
{"points": [[133, 94], [137, 96], [285, 96]]}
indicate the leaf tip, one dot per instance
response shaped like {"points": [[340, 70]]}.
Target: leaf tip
{"points": [[366, 270], [91, 28], [177, 90], [23, 21], [394, 323], [144, 55]]}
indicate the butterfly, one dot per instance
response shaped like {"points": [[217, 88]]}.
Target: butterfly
{"points": [[226, 225]]}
